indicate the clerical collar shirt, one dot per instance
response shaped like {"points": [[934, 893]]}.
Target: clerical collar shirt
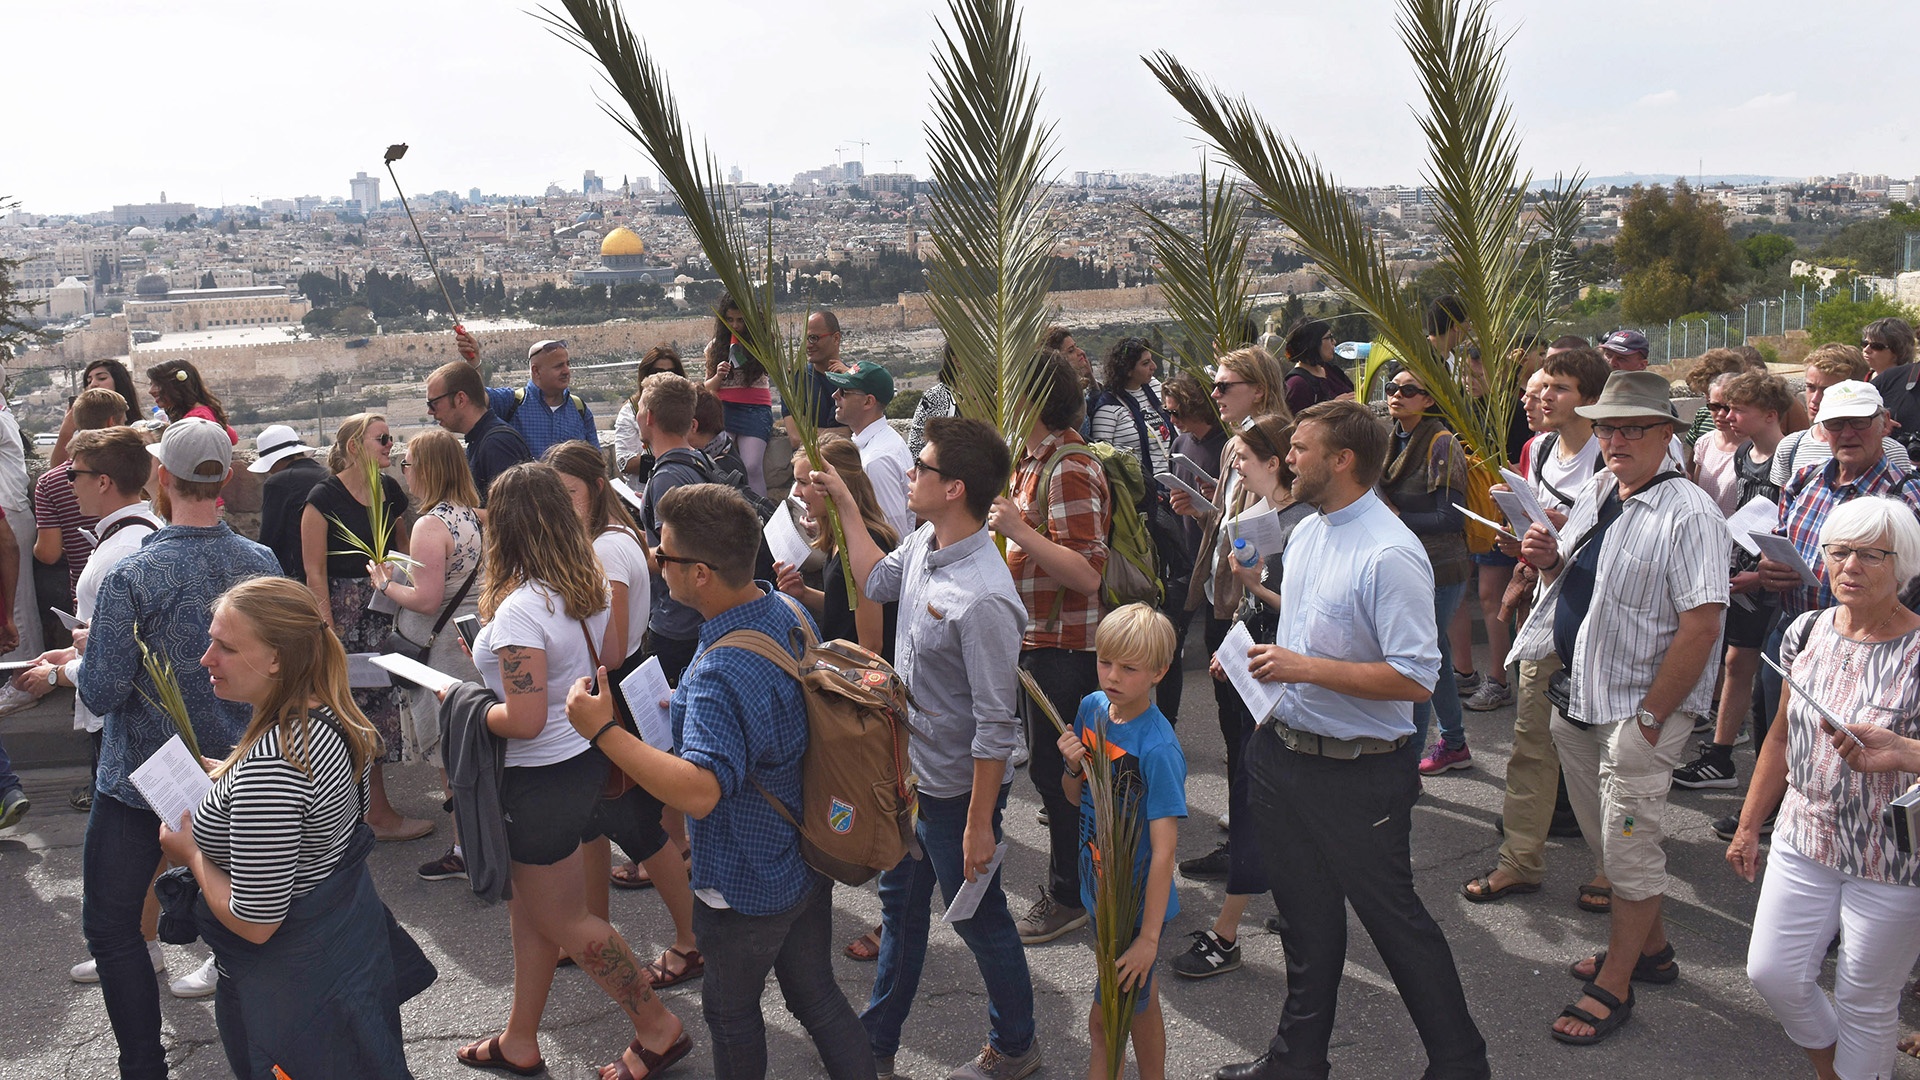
{"points": [[1368, 599]]}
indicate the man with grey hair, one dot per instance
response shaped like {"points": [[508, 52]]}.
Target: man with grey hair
{"points": [[1634, 587]]}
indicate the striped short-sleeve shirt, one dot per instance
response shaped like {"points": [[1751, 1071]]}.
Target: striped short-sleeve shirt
{"points": [[54, 507]]}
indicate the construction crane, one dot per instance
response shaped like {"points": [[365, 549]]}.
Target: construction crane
{"points": [[862, 144]]}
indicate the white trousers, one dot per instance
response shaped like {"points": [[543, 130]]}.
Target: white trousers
{"points": [[1802, 902]]}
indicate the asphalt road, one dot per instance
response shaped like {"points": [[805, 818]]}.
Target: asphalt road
{"points": [[1511, 955]]}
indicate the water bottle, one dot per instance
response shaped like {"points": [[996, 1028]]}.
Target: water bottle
{"points": [[1246, 554], [1353, 350]]}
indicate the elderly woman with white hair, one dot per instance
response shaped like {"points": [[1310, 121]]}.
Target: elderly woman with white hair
{"points": [[1834, 864]]}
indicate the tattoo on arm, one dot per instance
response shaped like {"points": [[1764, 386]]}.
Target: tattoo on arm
{"points": [[514, 673], [611, 964]]}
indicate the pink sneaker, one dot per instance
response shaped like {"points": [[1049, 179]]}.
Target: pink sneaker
{"points": [[1440, 758]]}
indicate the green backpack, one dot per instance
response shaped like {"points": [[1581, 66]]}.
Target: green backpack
{"points": [[1132, 574]]}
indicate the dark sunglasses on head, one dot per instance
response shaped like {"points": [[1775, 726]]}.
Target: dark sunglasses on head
{"points": [[548, 347]]}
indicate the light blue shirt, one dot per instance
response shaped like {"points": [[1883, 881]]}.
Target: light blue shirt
{"points": [[1366, 596]]}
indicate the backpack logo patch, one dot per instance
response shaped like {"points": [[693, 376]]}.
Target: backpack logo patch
{"points": [[839, 816]]}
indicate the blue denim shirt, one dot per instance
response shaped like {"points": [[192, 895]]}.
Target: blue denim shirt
{"points": [[735, 714], [168, 588], [540, 424]]}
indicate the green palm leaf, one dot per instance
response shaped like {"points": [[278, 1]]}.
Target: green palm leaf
{"points": [[1119, 891], [990, 228], [1473, 171], [1206, 280], [652, 117]]}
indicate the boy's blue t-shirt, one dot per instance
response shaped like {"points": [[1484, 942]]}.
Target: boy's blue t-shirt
{"points": [[1147, 756]]}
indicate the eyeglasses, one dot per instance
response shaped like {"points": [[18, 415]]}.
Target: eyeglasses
{"points": [[437, 398], [1224, 386], [1717, 408], [1405, 389], [815, 339], [920, 465], [1874, 346], [73, 472], [1842, 423], [666, 558], [1840, 553], [547, 348], [1629, 432]]}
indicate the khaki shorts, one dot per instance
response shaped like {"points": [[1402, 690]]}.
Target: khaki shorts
{"points": [[1628, 796]]}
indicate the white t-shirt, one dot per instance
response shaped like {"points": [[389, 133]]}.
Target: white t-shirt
{"points": [[1567, 474], [122, 542], [625, 562], [534, 618]]}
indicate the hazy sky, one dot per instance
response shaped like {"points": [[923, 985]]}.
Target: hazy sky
{"points": [[221, 99]]}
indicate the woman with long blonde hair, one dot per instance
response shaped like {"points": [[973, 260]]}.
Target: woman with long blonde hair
{"points": [[872, 625], [445, 546], [337, 510], [546, 610], [279, 851]]}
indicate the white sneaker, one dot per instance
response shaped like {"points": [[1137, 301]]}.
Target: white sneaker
{"points": [[1223, 823], [88, 971], [13, 699], [199, 984]]}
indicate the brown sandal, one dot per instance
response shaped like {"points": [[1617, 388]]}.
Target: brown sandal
{"points": [[866, 947], [659, 978], [655, 1063], [495, 1059], [630, 876]]}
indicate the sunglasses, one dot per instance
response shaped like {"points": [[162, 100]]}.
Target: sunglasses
{"points": [[1225, 386], [1716, 408], [437, 398], [547, 348], [73, 472], [1405, 390], [1874, 346], [385, 439], [666, 558], [920, 465]]}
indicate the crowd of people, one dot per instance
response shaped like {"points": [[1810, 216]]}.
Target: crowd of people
{"points": [[1634, 611]]}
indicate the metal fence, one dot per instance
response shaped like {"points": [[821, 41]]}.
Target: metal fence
{"points": [[1769, 317]]}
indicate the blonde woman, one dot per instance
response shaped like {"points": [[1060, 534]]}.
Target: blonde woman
{"points": [[342, 586], [445, 544], [279, 851], [546, 609], [872, 625]]}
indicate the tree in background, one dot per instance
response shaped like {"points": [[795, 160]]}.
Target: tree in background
{"points": [[1674, 254], [1766, 250], [13, 310], [1841, 317], [1873, 247]]}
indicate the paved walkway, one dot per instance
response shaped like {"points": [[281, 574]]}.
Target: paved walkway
{"points": [[1511, 956]]}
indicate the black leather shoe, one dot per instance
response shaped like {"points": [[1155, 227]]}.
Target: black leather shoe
{"points": [[1264, 1067]]}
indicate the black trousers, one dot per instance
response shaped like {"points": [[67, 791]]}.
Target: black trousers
{"points": [[1336, 833], [1066, 677]]}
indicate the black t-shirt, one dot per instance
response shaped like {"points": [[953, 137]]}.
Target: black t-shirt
{"points": [[332, 499], [493, 447], [837, 621], [283, 498], [1902, 398]]}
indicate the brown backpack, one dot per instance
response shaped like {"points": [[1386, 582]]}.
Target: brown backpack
{"points": [[856, 795]]}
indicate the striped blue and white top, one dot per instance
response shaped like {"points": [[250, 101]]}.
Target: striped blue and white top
{"points": [[276, 830]]}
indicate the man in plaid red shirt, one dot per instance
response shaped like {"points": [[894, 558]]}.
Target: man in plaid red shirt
{"points": [[1057, 549]]}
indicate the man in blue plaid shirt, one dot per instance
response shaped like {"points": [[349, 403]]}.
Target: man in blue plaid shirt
{"points": [[739, 728]]}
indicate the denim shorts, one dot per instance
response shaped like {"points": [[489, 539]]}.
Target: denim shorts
{"points": [[1494, 558], [748, 421], [552, 809]]}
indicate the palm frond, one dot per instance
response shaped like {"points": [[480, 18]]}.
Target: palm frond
{"points": [[159, 668], [1205, 279], [652, 117], [989, 223], [1561, 210], [1473, 170], [1119, 890]]}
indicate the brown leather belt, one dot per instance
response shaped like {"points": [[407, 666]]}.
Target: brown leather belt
{"points": [[1306, 742]]}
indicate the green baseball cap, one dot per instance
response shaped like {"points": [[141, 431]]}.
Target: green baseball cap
{"points": [[864, 377]]}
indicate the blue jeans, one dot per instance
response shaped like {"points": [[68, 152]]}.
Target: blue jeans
{"points": [[8, 781], [1446, 692], [906, 891], [797, 946], [122, 849]]}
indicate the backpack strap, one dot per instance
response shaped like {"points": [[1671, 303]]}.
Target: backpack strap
{"points": [[520, 398], [762, 644]]}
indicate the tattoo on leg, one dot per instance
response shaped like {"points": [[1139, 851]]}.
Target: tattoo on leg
{"points": [[611, 964]]}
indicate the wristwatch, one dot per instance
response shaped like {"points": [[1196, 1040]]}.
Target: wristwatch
{"points": [[1647, 719]]}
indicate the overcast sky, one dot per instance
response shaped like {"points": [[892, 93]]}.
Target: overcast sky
{"points": [[212, 100]]}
